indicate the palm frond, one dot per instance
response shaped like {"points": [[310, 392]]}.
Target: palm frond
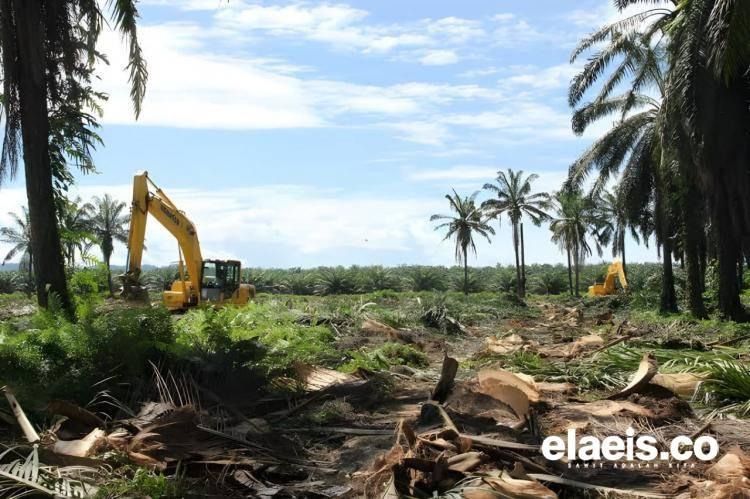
{"points": [[125, 15], [26, 476]]}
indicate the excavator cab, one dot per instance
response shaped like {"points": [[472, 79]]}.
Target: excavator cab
{"points": [[220, 280]]}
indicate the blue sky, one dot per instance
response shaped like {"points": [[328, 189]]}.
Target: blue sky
{"points": [[302, 133]]}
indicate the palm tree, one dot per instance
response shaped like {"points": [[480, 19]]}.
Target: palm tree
{"points": [[707, 96], [707, 116], [48, 53], [615, 224], [514, 198], [20, 237], [636, 142], [74, 228], [109, 224], [575, 218], [467, 221]]}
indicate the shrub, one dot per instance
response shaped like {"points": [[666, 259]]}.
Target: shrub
{"points": [[58, 358], [89, 281], [551, 282], [377, 278], [336, 281], [426, 278]]}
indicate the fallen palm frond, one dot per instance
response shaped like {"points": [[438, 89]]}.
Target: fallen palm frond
{"points": [[628, 358], [27, 476], [726, 374]]}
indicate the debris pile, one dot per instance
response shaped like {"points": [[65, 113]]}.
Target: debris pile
{"points": [[480, 438]]}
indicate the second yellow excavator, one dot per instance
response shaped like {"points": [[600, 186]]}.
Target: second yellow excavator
{"points": [[198, 280], [608, 287]]}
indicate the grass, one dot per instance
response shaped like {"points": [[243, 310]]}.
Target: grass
{"points": [[139, 482]]}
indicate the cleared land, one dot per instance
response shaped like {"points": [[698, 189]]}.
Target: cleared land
{"points": [[329, 396]]}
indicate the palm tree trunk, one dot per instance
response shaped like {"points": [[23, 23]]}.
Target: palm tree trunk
{"points": [[622, 254], [668, 301], [49, 266], [518, 268], [466, 273], [31, 273], [109, 274], [577, 261], [728, 252], [570, 274], [523, 265], [694, 288]]}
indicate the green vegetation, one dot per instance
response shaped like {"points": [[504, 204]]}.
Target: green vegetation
{"points": [[385, 356], [140, 482]]}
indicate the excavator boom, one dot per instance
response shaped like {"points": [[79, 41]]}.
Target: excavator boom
{"points": [[615, 270], [149, 199]]}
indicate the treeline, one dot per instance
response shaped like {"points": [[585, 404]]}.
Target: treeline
{"points": [[542, 279]]}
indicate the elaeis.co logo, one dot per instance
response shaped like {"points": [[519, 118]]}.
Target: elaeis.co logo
{"points": [[629, 451]]}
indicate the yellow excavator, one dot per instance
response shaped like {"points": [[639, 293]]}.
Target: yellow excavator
{"points": [[198, 280], [608, 287]]}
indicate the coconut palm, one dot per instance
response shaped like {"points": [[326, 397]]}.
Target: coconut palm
{"points": [[48, 56], [575, 219], [467, 221], [108, 223], [20, 239], [513, 197]]}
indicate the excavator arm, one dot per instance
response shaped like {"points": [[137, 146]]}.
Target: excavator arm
{"points": [[149, 199], [615, 270]]}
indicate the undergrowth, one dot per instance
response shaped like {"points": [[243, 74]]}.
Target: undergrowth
{"points": [[383, 357]]}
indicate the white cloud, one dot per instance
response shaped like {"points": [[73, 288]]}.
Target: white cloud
{"points": [[439, 58], [336, 24], [510, 31], [519, 119], [551, 78], [422, 132], [503, 17], [188, 4], [300, 223], [473, 73], [455, 29], [460, 172], [291, 19], [189, 86]]}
